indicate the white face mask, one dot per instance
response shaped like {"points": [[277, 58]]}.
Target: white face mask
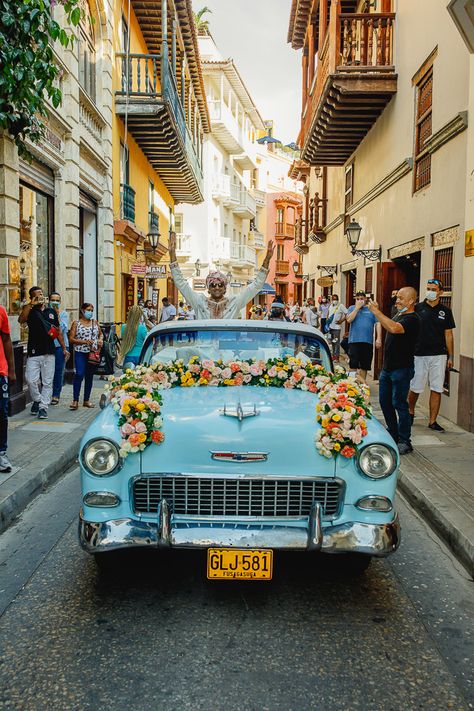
{"points": [[431, 295]]}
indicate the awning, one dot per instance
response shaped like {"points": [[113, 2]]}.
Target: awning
{"points": [[267, 289]]}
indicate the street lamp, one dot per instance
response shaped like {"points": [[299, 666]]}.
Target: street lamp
{"points": [[153, 236], [353, 231], [197, 266], [296, 266]]}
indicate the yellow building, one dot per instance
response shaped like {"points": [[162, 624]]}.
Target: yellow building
{"points": [[160, 116]]}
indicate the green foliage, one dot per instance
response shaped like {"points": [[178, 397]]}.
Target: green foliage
{"points": [[28, 72], [202, 25]]}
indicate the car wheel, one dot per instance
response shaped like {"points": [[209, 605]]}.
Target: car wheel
{"points": [[352, 564]]}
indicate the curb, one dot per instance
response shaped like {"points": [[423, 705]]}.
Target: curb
{"points": [[35, 482], [420, 495]]}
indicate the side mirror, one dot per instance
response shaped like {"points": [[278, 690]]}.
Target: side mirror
{"points": [[103, 401]]}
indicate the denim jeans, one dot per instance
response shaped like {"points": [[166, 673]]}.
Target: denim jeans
{"points": [[4, 399], [393, 393], [59, 365], [84, 371]]}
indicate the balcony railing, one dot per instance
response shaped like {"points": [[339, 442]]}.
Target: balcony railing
{"points": [[284, 230], [149, 98], [242, 253], [256, 239], [183, 245], [282, 267], [221, 187], [127, 202], [356, 58], [243, 202], [259, 196]]}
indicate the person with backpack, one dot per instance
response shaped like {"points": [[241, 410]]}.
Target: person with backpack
{"points": [[43, 329]]}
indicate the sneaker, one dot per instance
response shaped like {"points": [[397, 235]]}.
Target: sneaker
{"points": [[405, 447], [437, 428], [42, 414], [5, 464], [35, 408]]}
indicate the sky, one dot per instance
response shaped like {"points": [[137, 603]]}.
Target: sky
{"points": [[253, 33]]}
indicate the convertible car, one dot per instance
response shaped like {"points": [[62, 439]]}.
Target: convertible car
{"points": [[267, 464]]}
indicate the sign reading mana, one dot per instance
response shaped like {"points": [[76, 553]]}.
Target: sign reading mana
{"points": [[156, 270]]}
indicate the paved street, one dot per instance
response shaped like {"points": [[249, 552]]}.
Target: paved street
{"points": [[160, 635]]}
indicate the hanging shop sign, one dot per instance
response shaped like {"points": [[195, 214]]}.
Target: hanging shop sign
{"points": [[155, 270], [199, 284], [138, 268], [325, 281], [469, 244], [129, 293]]}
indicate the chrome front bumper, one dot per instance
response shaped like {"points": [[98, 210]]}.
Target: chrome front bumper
{"points": [[194, 532]]}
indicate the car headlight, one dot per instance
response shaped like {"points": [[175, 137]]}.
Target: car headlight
{"points": [[377, 461], [101, 457]]}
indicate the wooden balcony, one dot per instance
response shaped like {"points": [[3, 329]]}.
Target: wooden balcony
{"points": [[354, 80], [284, 230], [282, 267], [148, 97]]}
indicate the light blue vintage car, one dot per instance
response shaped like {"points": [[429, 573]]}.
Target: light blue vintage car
{"points": [[238, 473]]}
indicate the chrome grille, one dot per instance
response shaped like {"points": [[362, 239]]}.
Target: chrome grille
{"points": [[237, 497]]}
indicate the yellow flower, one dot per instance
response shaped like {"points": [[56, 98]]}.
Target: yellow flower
{"points": [[142, 437], [336, 417], [228, 381], [318, 408], [337, 446], [125, 386], [325, 422], [125, 410], [351, 393], [348, 408], [140, 406]]}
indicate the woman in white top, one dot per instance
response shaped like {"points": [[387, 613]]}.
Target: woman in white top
{"points": [[217, 304], [85, 336]]}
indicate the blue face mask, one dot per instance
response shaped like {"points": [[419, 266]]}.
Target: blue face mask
{"points": [[402, 311], [88, 314]]}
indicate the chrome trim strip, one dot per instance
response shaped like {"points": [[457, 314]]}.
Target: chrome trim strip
{"points": [[372, 539], [225, 456], [164, 520], [315, 535]]}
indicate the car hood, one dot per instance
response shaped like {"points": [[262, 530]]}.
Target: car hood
{"points": [[194, 425]]}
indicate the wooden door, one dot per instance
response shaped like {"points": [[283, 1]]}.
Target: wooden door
{"points": [[389, 276]]}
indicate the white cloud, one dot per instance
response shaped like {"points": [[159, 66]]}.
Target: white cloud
{"points": [[253, 33]]}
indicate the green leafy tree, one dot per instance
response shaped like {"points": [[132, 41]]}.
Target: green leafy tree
{"points": [[202, 25], [28, 71]]}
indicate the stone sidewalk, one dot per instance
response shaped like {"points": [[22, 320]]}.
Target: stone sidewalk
{"points": [[41, 450], [437, 478]]}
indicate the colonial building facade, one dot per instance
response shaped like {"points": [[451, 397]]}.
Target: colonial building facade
{"points": [[224, 231], [384, 143], [160, 120], [56, 217]]}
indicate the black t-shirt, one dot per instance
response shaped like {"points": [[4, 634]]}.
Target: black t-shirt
{"points": [[435, 320], [39, 343], [400, 347]]}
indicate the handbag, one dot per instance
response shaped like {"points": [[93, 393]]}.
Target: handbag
{"points": [[94, 354]]}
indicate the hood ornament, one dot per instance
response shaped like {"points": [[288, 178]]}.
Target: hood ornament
{"points": [[223, 456], [239, 412]]}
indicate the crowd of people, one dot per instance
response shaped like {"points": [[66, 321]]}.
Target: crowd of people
{"points": [[418, 348]]}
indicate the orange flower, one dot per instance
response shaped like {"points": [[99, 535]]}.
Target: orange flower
{"points": [[134, 439], [157, 437]]}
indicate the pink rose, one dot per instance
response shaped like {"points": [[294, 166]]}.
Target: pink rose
{"points": [[208, 364], [255, 369], [226, 373], [140, 427], [127, 429], [272, 372]]}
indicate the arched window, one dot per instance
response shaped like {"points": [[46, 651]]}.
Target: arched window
{"points": [[87, 64]]}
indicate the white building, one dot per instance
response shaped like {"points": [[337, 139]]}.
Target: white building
{"points": [[222, 232]]}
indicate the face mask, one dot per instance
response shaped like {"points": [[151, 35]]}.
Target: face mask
{"points": [[55, 304], [335, 301], [402, 311], [88, 314], [431, 295]]}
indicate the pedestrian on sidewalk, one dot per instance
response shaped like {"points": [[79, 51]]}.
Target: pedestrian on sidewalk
{"points": [[43, 330], [7, 377], [310, 314], [398, 365], [323, 311], [361, 335], [60, 358], [86, 337], [434, 351], [336, 317], [133, 334]]}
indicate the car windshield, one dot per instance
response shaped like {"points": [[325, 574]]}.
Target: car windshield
{"points": [[229, 344]]}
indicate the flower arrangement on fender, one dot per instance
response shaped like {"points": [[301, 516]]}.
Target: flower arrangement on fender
{"points": [[135, 397], [342, 411]]}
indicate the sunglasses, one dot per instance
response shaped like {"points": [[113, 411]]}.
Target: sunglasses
{"points": [[434, 281], [215, 284]]}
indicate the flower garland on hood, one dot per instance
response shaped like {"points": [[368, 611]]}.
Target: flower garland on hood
{"points": [[342, 409]]}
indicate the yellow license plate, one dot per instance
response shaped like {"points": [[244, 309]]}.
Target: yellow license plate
{"points": [[239, 564]]}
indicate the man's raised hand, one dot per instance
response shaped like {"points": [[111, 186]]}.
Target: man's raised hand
{"points": [[269, 254], [172, 246]]}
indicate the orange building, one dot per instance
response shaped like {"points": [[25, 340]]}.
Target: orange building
{"points": [[283, 212]]}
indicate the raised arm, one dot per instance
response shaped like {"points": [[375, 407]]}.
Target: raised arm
{"points": [[180, 282], [252, 289], [388, 324]]}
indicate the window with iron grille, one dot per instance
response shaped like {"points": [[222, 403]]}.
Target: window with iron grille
{"points": [[423, 131], [348, 193], [443, 270], [369, 280]]}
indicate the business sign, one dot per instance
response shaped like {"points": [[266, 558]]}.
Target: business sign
{"points": [[236, 283], [199, 284], [138, 268], [325, 281], [156, 270], [469, 244]]}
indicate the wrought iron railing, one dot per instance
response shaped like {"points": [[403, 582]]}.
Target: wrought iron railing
{"points": [[127, 202]]}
